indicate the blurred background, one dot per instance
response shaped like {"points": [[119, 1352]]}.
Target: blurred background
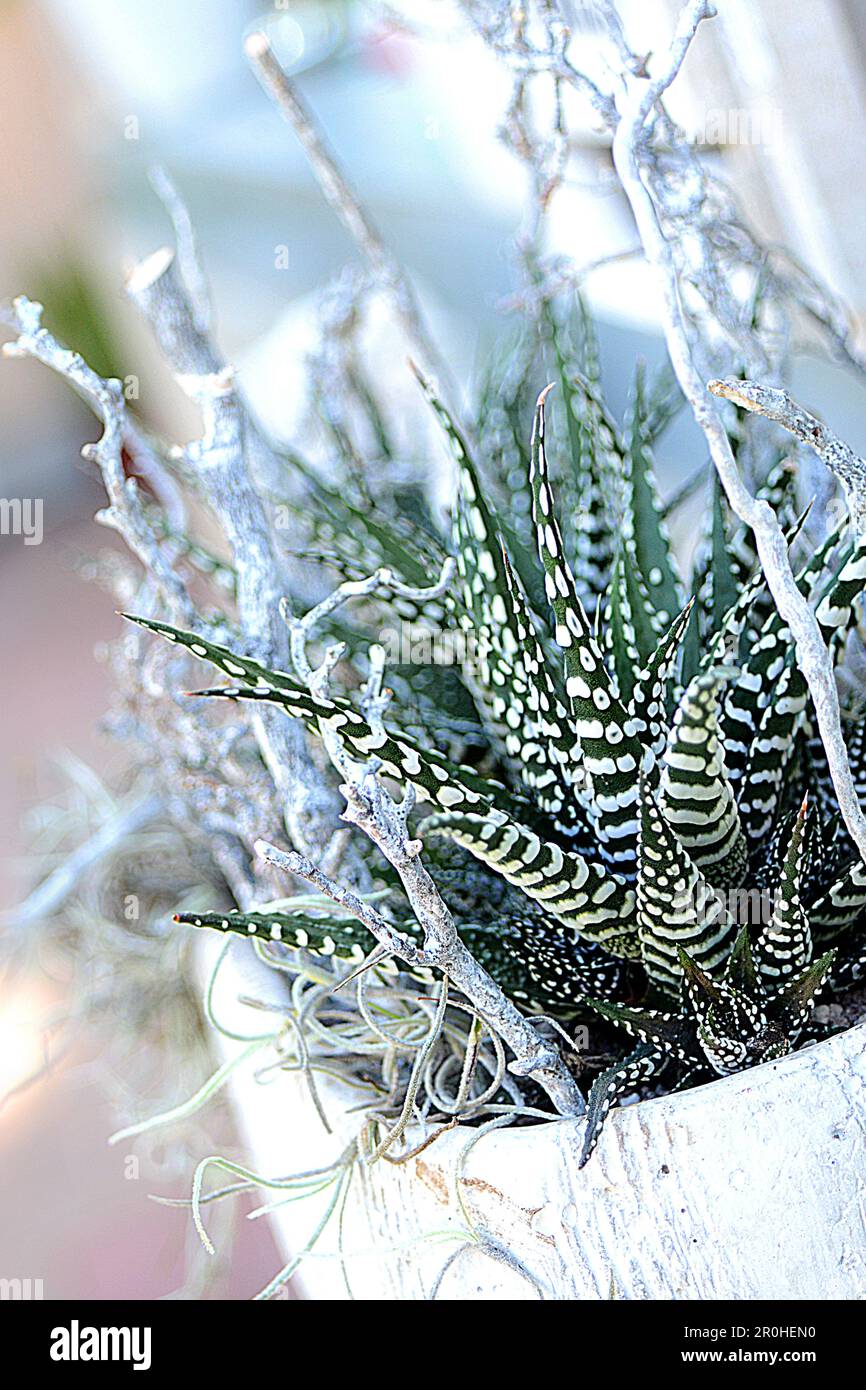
{"points": [[93, 93]]}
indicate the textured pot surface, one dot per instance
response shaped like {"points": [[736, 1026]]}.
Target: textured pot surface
{"points": [[752, 1187]]}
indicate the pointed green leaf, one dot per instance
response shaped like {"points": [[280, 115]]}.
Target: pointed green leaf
{"points": [[587, 897], [624, 1076], [645, 532], [785, 944], [676, 907], [611, 750], [434, 777]]}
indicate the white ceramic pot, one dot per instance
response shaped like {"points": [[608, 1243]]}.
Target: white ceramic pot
{"points": [[752, 1187]]}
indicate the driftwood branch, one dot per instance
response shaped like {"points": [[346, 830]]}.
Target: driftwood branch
{"points": [[337, 189], [635, 105], [125, 512], [371, 808], [777, 405], [222, 461], [188, 258]]}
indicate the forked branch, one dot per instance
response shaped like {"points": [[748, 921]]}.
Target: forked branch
{"points": [[370, 807], [777, 405]]}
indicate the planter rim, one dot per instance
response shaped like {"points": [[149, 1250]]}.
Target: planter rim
{"points": [[713, 1196], [733, 1083]]}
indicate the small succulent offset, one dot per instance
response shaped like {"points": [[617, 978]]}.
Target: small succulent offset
{"points": [[629, 811]]}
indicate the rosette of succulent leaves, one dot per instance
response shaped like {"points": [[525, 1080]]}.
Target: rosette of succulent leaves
{"points": [[621, 795]]}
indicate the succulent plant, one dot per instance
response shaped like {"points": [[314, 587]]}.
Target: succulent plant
{"points": [[619, 781]]}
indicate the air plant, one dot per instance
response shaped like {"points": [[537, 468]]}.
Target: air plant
{"points": [[618, 771]]}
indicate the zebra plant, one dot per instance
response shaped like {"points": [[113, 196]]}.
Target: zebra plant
{"points": [[625, 768]]}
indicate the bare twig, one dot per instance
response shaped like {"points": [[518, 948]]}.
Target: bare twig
{"points": [[813, 657], [223, 465], [300, 628], [442, 949], [370, 807], [187, 247], [346, 204], [124, 513], [775, 404], [53, 891]]}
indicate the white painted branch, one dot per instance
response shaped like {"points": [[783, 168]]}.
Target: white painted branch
{"points": [[371, 808], [221, 460], [125, 513], [337, 189], [812, 654], [776, 405], [188, 258], [443, 950]]}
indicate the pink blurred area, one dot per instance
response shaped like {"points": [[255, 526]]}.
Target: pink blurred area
{"points": [[70, 1214]]}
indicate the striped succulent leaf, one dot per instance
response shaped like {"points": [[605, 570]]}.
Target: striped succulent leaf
{"points": [[561, 969], [676, 905], [608, 739], [644, 529], [696, 795], [593, 477], [487, 608], [785, 945], [539, 740], [584, 896], [773, 743], [649, 693], [434, 777], [631, 629], [724, 1025], [751, 693]]}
